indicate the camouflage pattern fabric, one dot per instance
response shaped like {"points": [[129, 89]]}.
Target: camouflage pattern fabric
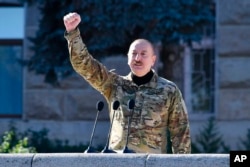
{"points": [[158, 105]]}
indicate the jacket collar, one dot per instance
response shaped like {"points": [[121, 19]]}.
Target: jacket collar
{"points": [[152, 83]]}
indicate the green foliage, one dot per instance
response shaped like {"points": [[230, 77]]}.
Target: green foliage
{"points": [[209, 140], [12, 143], [40, 140], [108, 27], [37, 141]]}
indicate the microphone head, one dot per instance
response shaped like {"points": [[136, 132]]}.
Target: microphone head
{"points": [[131, 104], [116, 104], [99, 105]]}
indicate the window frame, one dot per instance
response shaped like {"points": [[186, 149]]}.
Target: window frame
{"points": [[14, 42]]}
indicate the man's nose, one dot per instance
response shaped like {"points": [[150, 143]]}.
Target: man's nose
{"points": [[137, 57]]}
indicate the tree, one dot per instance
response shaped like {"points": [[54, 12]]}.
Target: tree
{"points": [[245, 142], [108, 27], [209, 139]]}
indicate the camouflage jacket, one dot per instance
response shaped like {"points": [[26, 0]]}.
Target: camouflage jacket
{"points": [[159, 105]]}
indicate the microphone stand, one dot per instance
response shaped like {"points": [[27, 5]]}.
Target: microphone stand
{"points": [[131, 104], [106, 149], [99, 107]]}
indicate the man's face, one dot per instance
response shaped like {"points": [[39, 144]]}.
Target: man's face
{"points": [[141, 57]]}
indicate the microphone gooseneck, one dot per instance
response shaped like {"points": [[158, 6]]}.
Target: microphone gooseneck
{"points": [[131, 105], [106, 149], [99, 107]]}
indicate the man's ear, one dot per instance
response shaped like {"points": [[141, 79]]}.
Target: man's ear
{"points": [[154, 59], [128, 59]]}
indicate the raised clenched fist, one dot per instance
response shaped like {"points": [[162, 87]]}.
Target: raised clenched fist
{"points": [[71, 21]]}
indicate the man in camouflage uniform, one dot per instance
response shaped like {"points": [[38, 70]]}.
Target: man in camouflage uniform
{"points": [[159, 105]]}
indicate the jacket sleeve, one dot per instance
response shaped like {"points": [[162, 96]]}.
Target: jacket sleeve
{"points": [[179, 125], [88, 67]]}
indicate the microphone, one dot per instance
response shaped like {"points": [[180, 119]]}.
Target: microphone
{"points": [[99, 107], [106, 149], [131, 105]]}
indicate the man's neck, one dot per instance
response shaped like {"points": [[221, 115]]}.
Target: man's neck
{"points": [[142, 80]]}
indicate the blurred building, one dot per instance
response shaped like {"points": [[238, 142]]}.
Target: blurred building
{"points": [[212, 74]]}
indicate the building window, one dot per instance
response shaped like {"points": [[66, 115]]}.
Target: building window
{"points": [[203, 80], [11, 49]]}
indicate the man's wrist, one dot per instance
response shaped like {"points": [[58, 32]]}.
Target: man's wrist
{"points": [[72, 34]]}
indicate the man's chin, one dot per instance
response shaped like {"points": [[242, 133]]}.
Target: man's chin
{"points": [[138, 74]]}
